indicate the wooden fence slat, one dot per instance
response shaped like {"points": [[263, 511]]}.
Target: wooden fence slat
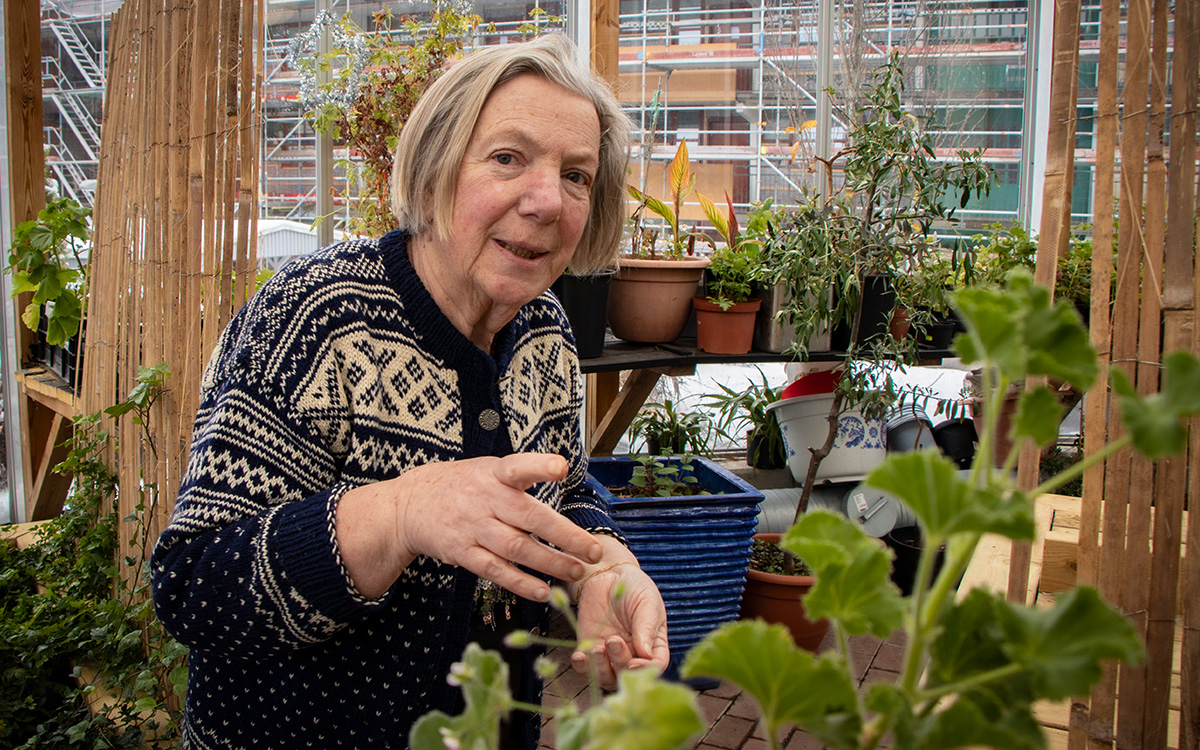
{"points": [[1127, 353], [1179, 294], [1055, 226]]}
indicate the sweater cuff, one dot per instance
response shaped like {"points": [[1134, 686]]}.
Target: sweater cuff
{"points": [[303, 535]]}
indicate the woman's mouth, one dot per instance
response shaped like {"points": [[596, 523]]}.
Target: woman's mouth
{"points": [[518, 251]]}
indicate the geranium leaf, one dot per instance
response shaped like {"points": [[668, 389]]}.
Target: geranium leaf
{"points": [[1155, 422], [965, 724], [1063, 646], [946, 503], [1039, 414], [796, 688], [645, 713], [852, 571], [484, 679]]}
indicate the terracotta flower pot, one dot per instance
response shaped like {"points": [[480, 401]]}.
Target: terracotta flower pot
{"points": [[649, 301], [776, 599], [725, 331]]}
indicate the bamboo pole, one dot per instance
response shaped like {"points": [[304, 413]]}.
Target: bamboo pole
{"points": [[163, 195], [1094, 718]]}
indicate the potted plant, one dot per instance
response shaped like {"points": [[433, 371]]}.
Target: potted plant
{"points": [[690, 522], [744, 415], [725, 317], [974, 663], [46, 262], [663, 429], [650, 298], [776, 584]]}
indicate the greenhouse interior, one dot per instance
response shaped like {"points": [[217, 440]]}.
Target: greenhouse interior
{"points": [[904, 461]]}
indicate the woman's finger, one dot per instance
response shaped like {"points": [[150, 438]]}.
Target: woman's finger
{"points": [[519, 547]]}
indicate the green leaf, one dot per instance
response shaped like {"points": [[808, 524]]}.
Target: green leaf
{"points": [[426, 734], [653, 204], [788, 683], [1039, 414], [971, 642], [484, 679], [570, 729], [645, 712], [22, 283], [1155, 422], [59, 331], [1018, 330], [145, 704], [41, 236], [965, 724], [1064, 646], [852, 571], [946, 503]]}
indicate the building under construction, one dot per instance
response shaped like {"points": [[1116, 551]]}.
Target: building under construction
{"points": [[740, 80]]}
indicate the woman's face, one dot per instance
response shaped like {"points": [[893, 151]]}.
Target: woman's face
{"points": [[522, 201]]}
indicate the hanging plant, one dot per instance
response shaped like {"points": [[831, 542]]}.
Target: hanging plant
{"points": [[45, 260], [372, 85]]}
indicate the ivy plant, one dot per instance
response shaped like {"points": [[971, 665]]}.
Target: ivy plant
{"points": [[45, 260], [76, 619]]}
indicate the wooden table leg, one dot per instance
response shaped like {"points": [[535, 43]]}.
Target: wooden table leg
{"points": [[626, 405]]}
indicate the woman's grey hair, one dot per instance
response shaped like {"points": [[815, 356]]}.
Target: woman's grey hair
{"points": [[434, 140]]}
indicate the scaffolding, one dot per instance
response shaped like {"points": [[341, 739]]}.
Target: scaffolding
{"points": [[737, 79]]}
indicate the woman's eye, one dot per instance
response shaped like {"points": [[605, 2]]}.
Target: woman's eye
{"points": [[578, 178], [505, 159]]}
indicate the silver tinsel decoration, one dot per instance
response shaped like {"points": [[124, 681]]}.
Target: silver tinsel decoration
{"points": [[303, 56]]}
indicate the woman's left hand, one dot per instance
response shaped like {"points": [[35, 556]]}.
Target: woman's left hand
{"points": [[626, 631]]}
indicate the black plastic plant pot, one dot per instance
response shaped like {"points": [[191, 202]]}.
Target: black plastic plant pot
{"points": [[906, 544], [957, 439], [878, 301], [762, 454], [585, 299]]}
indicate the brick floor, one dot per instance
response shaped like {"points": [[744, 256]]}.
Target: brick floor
{"points": [[732, 717]]}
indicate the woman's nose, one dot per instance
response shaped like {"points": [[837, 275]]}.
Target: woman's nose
{"points": [[542, 197]]}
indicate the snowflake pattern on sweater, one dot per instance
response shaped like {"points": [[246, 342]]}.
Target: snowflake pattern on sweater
{"points": [[339, 372]]}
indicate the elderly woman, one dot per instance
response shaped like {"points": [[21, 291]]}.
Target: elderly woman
{"points": [[388, 437]]}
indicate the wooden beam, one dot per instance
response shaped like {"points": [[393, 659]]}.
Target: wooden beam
{"points": [[49, 432], [629, 401], [26, 165], [606, 33], [1055, 231]]}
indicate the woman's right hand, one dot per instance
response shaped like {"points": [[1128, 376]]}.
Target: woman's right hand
{"points": [[474, 513]]}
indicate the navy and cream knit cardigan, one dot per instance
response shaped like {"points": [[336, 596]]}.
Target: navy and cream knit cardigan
{"points": [[339, 372]]}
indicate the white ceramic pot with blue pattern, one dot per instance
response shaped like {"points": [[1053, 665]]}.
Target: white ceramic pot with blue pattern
{"points": [[860, 446]]}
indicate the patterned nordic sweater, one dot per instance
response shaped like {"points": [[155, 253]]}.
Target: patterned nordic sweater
{"points": [[339, 372]]}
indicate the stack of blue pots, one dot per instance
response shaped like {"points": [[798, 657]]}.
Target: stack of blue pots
{"points": [[696, 548]]}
